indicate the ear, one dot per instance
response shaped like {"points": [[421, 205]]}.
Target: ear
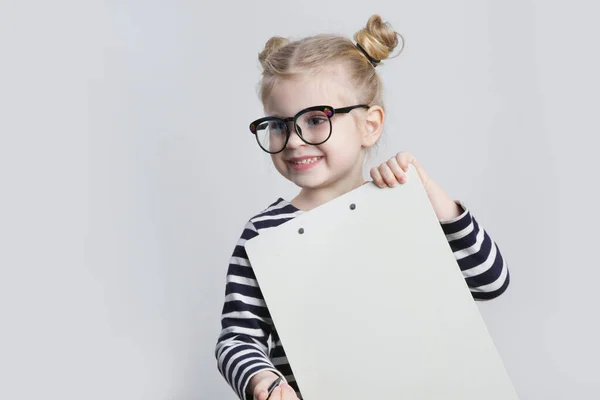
{"points": [[373, 126]]}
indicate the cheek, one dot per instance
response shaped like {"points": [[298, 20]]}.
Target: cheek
{"points": [[278, 162], [343, 151], [346, 138]]}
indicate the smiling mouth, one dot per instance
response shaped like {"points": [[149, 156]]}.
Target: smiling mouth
{"points": [[305, 161]]}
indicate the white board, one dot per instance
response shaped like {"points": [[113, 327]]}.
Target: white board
{"points": [[370, 303]]}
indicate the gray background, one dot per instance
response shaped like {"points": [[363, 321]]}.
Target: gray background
{"points": [[127, 174]]}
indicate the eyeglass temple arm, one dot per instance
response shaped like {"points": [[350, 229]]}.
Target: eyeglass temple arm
{"points": [[344, 110]]}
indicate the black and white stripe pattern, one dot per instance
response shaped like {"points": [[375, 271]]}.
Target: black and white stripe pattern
{"points": [[248, 342]]}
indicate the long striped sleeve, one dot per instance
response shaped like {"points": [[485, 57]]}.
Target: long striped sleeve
{"points": [[478, 256], [242, 347]]}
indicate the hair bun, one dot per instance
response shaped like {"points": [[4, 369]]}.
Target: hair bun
{"points": [[272, 45], [377, 38]]}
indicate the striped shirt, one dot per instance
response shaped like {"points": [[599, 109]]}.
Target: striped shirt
{"points": [[248, 343]]}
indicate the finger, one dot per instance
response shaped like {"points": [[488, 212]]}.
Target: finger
{"points": [[262, 395], [276, 395], [421, 172], [405, 159], [417, 165], [397, 170], [288, 392], [377, 178], [388, 176]]}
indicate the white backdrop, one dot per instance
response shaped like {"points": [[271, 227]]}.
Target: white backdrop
{"points": [[128, 173]]}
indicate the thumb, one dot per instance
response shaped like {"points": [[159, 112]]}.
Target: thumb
{"points": [[421, 172]]}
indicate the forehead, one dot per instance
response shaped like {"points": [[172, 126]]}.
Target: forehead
{"points": [[326, 87]]}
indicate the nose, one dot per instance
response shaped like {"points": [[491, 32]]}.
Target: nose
{"points": [[294, 141]]}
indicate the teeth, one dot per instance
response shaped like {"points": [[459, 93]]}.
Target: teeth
{"points": [[306, 161]]}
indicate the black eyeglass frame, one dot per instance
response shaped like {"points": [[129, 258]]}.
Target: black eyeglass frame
{"points": [[327, 110]]}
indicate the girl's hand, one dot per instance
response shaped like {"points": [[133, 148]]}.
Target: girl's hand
{"points": [[392, 172], [282, 392]]}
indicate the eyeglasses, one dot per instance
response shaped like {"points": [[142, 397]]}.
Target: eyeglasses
{"points": [[313, 126]]}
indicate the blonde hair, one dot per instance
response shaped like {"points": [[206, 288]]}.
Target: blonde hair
{"points": [[284, 58]]}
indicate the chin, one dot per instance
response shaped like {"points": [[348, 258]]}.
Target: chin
{"points": [[308, 182]]}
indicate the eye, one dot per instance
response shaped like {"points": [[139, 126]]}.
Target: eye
{"points": [[277, 126], [315, 120]]}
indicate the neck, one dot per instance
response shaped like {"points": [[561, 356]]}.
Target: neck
{"points": [[308, 199]]}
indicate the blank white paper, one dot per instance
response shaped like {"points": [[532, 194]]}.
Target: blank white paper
{"points": [[369, 302]]}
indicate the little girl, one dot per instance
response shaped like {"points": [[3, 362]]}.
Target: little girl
{"points": [[322, 97]]}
